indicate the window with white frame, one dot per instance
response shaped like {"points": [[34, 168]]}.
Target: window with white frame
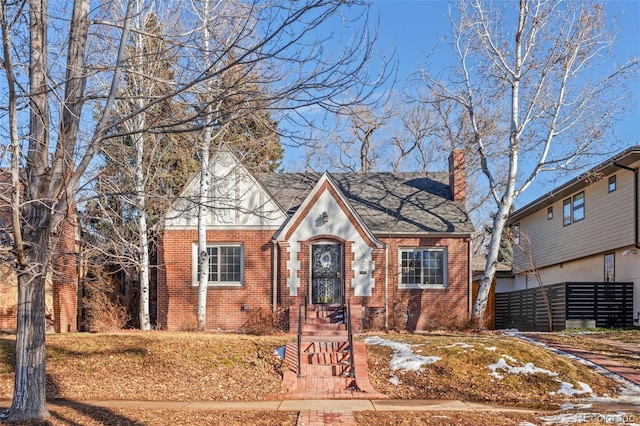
{"points": [[225, 264], [423, 267]]}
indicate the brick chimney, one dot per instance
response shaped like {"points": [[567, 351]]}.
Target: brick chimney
{"points": [[457, 176]]}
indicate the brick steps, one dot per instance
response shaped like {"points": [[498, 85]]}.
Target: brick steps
{"points": [[325, 361]]}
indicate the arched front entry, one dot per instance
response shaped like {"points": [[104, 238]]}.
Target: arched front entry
{"points": [[327, 275]]}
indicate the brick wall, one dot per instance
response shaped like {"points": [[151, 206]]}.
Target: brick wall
{"points": [[413, 310], [177, 296], [64, 280], [61, 293], [431, 308]]}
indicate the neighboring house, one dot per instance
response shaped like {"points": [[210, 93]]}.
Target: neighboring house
{"points": [[61, 292], [394, 245], [582, 238]]}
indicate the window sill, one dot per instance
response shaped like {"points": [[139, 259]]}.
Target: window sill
{"points": [[222, 285], [422, 287]]}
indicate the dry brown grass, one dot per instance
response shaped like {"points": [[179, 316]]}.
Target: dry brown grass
{"points": [[164, 366], [97, 416], [154, 366], [463, 373], [413, 418]]}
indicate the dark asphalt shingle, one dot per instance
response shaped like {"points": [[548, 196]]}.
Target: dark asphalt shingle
{"points": [[386, 202]]}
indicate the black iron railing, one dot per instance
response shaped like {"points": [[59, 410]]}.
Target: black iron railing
{"points": [[352, 372], [300, 338]]}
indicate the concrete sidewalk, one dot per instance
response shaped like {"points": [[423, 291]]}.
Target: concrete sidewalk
{"points": [[296, 405]]}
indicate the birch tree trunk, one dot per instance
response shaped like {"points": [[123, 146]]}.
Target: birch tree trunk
{"points": [[143, 244], [205, 188]]}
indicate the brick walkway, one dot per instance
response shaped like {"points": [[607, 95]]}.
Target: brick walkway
{"points": [[325, 369], [326, 417], [610, 364]]}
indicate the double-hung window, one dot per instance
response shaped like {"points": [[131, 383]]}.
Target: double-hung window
{"points": [[423, 268], [225, 264]]}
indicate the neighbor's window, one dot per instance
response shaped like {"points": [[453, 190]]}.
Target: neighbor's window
{"points": [[566, 212], [515, 230], [578, 207], [612, 183], [550, 213], [225, 264], [573, 209], [423, 268], [609, 267]]}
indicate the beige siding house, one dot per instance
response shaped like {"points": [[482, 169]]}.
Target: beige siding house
{"points": [[583, 231]]}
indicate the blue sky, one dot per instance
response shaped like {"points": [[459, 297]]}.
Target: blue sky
{"points": [[413, 28]]}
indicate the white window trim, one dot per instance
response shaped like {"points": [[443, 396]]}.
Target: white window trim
{"points": [[194, 266], [445, 266]]}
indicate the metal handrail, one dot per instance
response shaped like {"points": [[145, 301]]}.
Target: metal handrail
{"points": [[352, 373], [299, 338]]}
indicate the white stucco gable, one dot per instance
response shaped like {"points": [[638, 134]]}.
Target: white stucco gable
{"points": [[326, 213], [235, 199]]}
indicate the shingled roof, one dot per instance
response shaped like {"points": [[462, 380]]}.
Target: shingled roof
{"points": [[388, 203]]}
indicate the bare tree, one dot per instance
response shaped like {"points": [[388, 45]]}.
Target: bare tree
{"points": [[534, 84], [415, 141], [45, 174], [48, 165]]}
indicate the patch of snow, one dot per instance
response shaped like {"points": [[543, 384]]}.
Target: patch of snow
{"points": [[559, 419], [568, 389], [565, 407], [629, 419], [509, 358], [528, 368], [630, 392], [525, 424], [458, 344], [279, 352], [403, 357], [490, 348], [394, 381]]}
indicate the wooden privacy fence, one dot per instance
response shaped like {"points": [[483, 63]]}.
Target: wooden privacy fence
{"points": [[572, 305]]}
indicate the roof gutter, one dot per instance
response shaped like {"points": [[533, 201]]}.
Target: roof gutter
{"points": [[635, 200]]}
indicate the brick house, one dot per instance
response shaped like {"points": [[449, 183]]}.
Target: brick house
{"points": [[395, 245], [61, 292]]}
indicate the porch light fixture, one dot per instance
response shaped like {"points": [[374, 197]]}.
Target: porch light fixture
{"points": [[244, 307]]}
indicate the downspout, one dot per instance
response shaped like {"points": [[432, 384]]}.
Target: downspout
{"points": [[470, 277], [635, 201], [386, 287], [274, 275]]}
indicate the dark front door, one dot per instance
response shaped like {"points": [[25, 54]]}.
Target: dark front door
{"points": [[326, 274]]}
